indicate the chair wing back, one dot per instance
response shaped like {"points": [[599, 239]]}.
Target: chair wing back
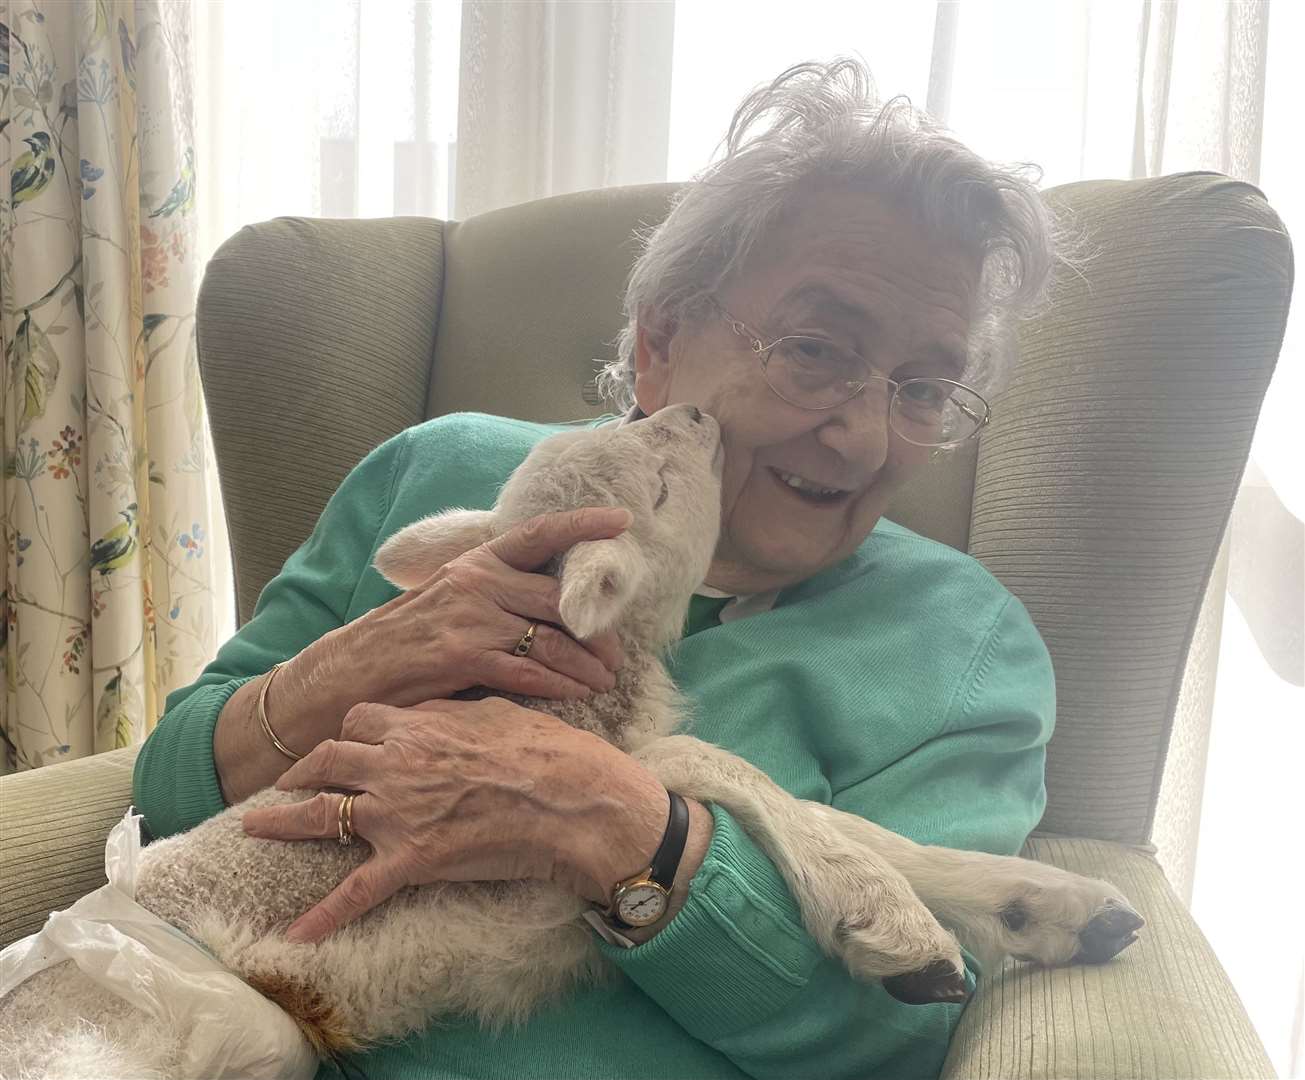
{"points": [[315, 339], [1107, 477], [1099, 492]]}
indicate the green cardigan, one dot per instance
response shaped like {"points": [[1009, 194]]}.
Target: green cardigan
{"points": [[904, 684]]}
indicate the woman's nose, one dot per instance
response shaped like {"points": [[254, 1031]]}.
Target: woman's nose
{"points": [[858, 429]]}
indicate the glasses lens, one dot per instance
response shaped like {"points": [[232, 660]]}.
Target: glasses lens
{"points": [[936, 412], [814, 373]]}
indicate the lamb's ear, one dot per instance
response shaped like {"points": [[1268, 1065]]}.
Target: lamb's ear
{"points": [[599, 578], [415, 552]]}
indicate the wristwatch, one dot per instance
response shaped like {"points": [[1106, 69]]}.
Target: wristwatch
{"points": [[643, 899]]}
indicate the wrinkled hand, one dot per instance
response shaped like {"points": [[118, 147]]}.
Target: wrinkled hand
{"points": [[458, 629], [469, 791]]}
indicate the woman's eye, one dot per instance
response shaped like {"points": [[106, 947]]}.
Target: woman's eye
{"points": [[815, 352], [819, 357], [929, 394]]}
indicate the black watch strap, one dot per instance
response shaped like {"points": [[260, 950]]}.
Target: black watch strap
{"points": [[666, 859]]}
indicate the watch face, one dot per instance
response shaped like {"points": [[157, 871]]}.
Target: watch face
{"points": [[642, 904]]}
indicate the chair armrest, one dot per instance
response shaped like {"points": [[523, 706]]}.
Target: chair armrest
{"points": [[1163, 1008], [53, 825]]}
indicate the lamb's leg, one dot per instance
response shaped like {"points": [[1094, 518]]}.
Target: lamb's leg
{"points": [[853, 902], [1003, 906]]}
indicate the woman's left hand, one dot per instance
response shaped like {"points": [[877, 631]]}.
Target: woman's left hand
{"points": [[469, 791]]}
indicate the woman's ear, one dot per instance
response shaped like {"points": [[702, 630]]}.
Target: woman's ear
{"points": [[652, 360], [413, 554]]}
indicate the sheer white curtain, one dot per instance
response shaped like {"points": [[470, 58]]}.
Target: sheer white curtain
{"points": [[557, 96], [327, 108], [346, 108]]}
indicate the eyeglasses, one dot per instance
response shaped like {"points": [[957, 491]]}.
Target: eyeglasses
{"points": [[816, 373]]}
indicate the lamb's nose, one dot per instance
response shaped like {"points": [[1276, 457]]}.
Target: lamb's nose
{"points": [[695, 414]]}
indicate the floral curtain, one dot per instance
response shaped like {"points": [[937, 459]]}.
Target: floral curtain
{"points": [[106, 589]]}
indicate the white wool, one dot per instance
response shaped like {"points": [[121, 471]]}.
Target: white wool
{"points": [[60, 1024]]}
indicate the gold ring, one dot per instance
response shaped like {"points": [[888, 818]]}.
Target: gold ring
{"points": [[527, 639], [346, 820]]}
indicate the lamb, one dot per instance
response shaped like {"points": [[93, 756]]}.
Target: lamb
{"points": [[886, 907]]}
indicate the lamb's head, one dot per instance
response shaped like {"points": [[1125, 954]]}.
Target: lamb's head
{"points": [[665, 469]]}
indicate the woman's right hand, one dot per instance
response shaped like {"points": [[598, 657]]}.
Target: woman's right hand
{"points": [[455, 631], [458, 629]]}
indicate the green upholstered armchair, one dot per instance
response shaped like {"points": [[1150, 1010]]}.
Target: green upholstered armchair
{"points": [[1098, 495]]}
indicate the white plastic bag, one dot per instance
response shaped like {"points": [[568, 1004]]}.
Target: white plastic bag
{"points": [[233, 1030]]}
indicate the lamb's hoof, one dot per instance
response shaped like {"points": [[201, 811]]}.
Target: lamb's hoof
{"points": [[940, 981], [1111, 931]]}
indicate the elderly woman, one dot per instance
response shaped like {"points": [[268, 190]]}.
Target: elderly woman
{"points": [[843, 261]]}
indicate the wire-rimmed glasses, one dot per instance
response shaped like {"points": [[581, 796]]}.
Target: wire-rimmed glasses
{"points": [[816, 373]]}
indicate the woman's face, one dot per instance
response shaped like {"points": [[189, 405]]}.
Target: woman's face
{"points": [[841, 264]]}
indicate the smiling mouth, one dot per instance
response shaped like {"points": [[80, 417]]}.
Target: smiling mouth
{"points": [[807, 491]]}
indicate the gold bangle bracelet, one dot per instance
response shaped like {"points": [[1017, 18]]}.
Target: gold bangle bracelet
{"points": [[262, 716]]}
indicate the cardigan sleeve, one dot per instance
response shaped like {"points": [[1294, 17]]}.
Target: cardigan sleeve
{"points": [[175, 783], [737, 969]]}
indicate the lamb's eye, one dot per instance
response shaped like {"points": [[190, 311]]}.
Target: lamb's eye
{"points": [[1014, 915], [661, 474]]}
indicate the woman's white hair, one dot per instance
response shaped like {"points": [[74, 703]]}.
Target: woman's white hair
{"points": [[824, 122]]}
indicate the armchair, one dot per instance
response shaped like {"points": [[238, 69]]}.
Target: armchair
{"points": [[1098, 495]]}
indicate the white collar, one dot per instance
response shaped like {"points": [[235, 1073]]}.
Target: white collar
{"points": [[739, 607]]}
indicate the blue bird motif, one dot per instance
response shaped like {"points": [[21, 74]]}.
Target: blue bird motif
{"points": [[32, 170], [182, 195]]}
